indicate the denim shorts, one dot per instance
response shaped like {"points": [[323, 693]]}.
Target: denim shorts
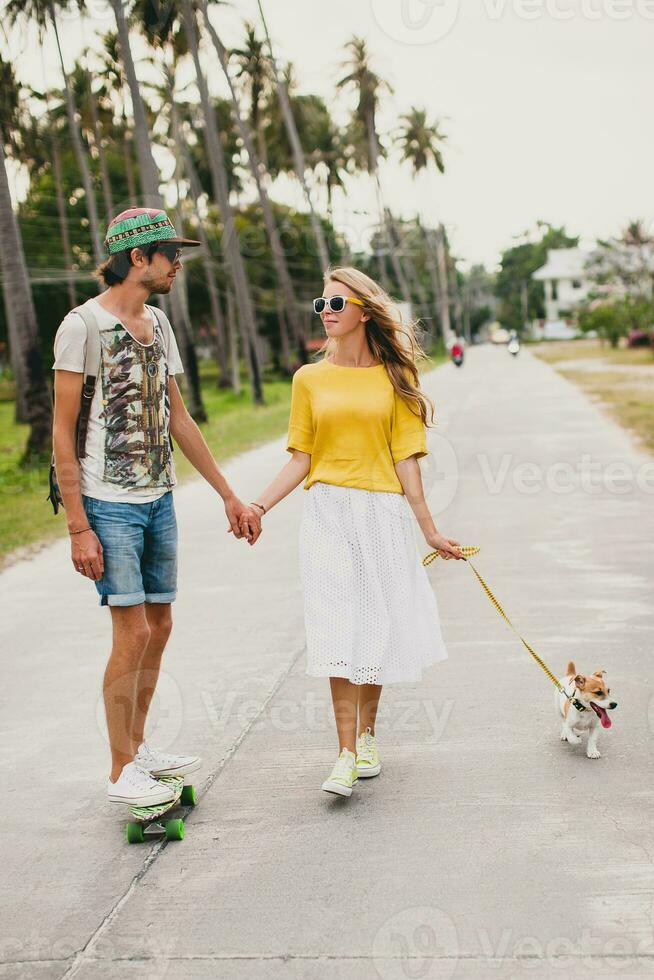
{"points": [[139, 543]]}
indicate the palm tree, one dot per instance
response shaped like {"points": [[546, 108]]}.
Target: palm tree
{"points": [[147, 167], [113, 87], [44, 12], [255, 70], [369, 87], [180, 147], [256, 167], [49, 130], [90, 117], [230, 241], [177, 30], [420, 143], [150, 184], [438, 241], [31, 385], [296, 145]]}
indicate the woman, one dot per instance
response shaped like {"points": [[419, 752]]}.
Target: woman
{"points": [[356, 432]]}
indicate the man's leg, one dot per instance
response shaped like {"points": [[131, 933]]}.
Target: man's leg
{"points": [[131, 637], [160, 622]]}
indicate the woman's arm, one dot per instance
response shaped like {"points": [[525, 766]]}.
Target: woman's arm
{"points": [[409, 475], [289, 477]]}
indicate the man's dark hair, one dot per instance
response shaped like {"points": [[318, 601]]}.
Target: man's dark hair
{"points": [[114, 270]]}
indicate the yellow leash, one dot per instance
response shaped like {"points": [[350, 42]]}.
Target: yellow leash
{"points": [[467, 552]]}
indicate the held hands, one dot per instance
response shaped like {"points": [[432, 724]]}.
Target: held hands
{"points": [[446, 547], [244, 520]]}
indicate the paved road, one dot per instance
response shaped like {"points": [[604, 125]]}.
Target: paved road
{"points": [[487, 848]]}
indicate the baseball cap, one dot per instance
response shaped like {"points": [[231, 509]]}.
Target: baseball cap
{"points": [[142, 226]]}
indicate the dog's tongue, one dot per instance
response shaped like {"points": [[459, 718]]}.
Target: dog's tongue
{"points": [[602, 715]]}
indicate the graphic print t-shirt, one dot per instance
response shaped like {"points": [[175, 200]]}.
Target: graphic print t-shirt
{"points": [[128, 455]]}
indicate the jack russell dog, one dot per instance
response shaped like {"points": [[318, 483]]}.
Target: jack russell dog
{"points": [[594, 694]]}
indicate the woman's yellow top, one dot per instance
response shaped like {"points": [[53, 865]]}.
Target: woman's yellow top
{"points": [[354, 425]]}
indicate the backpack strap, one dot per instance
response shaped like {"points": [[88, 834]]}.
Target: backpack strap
{"points": [[91, 369], [164, 324]]}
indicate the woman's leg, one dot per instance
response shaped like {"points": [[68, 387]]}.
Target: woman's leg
{"points": [[369, 695], [344, 699]]}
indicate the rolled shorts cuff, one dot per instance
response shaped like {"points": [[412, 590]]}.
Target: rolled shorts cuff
{"points": [[128, 599], [160, 597]]}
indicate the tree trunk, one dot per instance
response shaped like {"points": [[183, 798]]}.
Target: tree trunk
{"points": [[150, 186], [63, 217], [432, 268], [102, 156], [147, 166], [410, 276], [279, 258], [218, 323], [296, 147], [179, 304], [230, 243], [443, 293], [80, 153], [23, 328], [128, 162], [233, 342]]}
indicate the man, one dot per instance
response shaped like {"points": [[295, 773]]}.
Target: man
{"points": [[117, 496]]}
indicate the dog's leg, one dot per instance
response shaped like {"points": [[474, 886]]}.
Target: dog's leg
{"points": [[570, 736], [564, 732], [592, 752]]}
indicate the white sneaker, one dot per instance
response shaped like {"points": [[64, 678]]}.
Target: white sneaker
{"points": [[138, 788], [159, 764]]}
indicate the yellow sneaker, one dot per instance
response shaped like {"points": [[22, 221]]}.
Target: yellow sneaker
{"points": [[343, 776], [368, 762]]}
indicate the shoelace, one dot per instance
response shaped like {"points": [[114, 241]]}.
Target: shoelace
{"points": [[366, 746], [141, 777], [147, 753]]}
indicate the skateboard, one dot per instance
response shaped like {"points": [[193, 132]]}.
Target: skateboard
{"points": [[147, 822]]}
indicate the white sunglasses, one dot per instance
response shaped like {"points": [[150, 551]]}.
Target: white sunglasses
{"points": [[336, 304]]}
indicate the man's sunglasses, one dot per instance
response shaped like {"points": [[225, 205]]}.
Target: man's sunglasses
{"points": [[169, 249], [336, 304]]}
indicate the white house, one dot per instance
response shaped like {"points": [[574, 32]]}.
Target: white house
{"points": [[566, 288]]}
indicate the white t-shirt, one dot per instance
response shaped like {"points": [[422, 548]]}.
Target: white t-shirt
{"points": [[128, 455]]}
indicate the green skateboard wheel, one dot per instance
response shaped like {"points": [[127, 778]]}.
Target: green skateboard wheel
{"points": [[174, 830], [135, 833], [189, 797]]}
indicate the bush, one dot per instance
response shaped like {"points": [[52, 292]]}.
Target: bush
{"points": [[618, 318]]}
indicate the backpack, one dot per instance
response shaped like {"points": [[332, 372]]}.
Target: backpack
{"points": [[92, 360]]}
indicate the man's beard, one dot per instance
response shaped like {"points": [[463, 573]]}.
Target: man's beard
{"points": [[157, 286]]}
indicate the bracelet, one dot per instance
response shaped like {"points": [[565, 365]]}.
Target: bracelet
{"points": [[255, 504], [81, 530]]}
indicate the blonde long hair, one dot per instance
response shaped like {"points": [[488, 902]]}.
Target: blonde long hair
{"points": [[390, 340]]}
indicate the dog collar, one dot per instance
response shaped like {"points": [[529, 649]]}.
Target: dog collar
{"points": [[579, 705]]}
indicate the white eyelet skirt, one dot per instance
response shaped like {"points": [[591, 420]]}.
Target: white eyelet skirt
{"points": [[370, 612]]}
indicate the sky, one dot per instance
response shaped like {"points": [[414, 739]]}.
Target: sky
{"points": [[546, 105]]}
